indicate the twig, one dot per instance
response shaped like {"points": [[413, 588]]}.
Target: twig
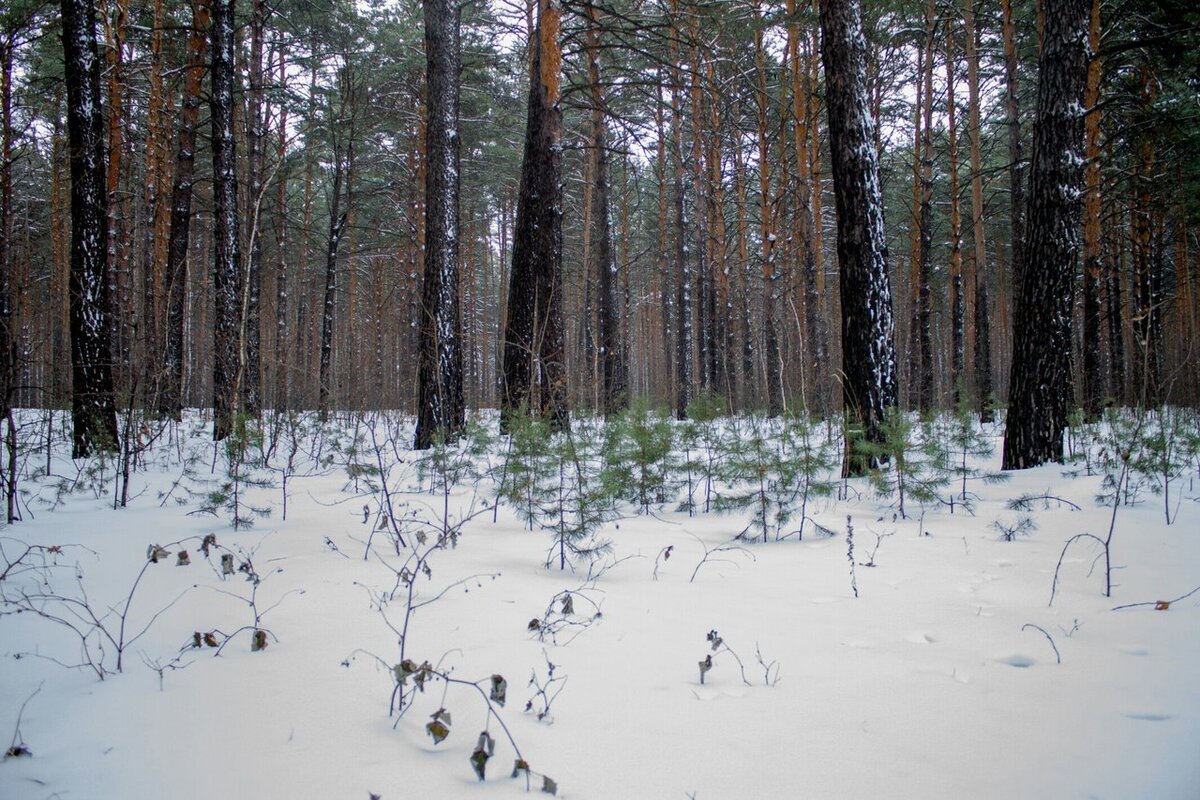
{"points": [[1158, 602], [18, 747], [1050, 640]]}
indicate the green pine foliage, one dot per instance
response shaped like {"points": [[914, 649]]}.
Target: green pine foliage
{"points": [[913, 466], [775, 468], [967, 443], [638, 462], [549, 479]]}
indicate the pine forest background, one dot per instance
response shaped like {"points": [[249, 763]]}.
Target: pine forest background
{"points": [[718, 191]]}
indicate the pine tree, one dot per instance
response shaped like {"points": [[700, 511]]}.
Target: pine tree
{"points": [[1040, 394], [93, 409], [440, 409], [227, 270], [868, 350]]}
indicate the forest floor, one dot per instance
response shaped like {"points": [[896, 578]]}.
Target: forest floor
{"points": [[941, 679]]}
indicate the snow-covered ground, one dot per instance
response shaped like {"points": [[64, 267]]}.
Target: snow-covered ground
{"points": [[933, 683]]}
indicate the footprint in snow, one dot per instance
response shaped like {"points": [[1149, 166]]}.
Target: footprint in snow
{"points": [[920, 637], [1019, 661], [717, 693], [1135, 651]]}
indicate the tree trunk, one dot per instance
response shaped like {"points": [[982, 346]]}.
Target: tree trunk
{"points": [[771, 370], [958, 346], [612, 354], [440, 409], [337, 227], [924, 311], [533, 339], [227, 272], [93, 410], [1041, 387], [1016, 164], [1093, 376], [251, 378], [683, 253], [982, 311], [868, 350], [171, 391]]}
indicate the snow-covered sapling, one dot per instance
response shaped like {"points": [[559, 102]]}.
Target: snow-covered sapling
{"points": [[638, 457]]}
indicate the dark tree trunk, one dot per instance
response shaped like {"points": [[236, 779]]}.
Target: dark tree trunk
{"points": [[684, 332], [983, 331], [612, 354], [337, 227], [868, 349], [1093, 376], [171, 388], [1016, 164], [8, 322], [1040, 394], [533, 335], [255, 123], [440, 409], [227, 272], [8, 329], [93, 410], [924, 310]]}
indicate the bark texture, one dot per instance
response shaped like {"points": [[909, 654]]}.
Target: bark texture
{"points": [[227, 259], [93, 411], [868, 349], [440, 409], [1041, 387], [535, 377]]}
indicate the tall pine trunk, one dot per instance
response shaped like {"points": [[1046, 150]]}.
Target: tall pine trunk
{"points": [[93, 410], [1093, 376], [440, 409], [612, 354], [227, 272], [533, 337], [1040, 394], [982, 310], [868, 350], [170, 397]]}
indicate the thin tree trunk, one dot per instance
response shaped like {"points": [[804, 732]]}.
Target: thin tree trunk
{"points": [[227, 272], [982, 311], [1093, 269], [958, 345], [612, 354], [1016, 164], [337, 227], [771, 371], [251, 379], [171, 392], [926, 378]]}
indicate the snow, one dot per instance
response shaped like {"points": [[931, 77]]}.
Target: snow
{"points": [[927, 685]]}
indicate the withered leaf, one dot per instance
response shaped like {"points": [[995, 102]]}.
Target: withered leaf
{"points": [[499, 689], [438, 731], [479, 761]]}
